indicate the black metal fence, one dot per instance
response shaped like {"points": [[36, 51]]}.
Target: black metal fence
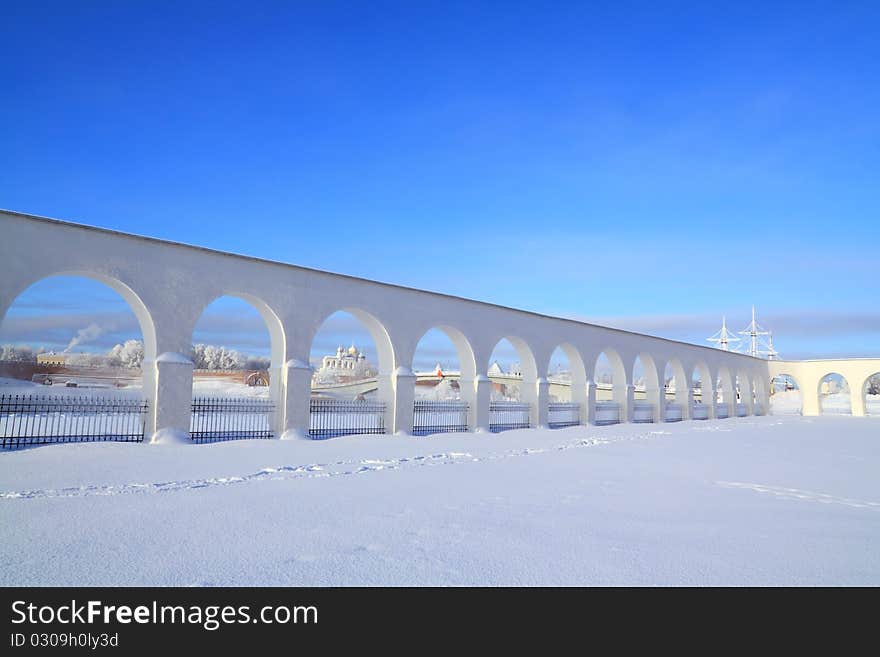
{"points": [[643, 412], [330, 417], [607, 413], [563, 414], [38, 419], [504, 415], [216, 419], [674, 412], [700, 411], [435, 416]]}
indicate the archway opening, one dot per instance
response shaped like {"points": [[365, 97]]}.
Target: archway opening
{"points": [[743, 392], [234, 394], [834, 395], [610, 379], [506, 372], [647, 404], [701, 384], [344, 358], [352, 359], [443, 387], [76, 344], [759, 395], [675, 392], [871, 391], [725, 396], [565, 371], [559, 376], [437, 367], [785, 395], [512, 371], [231, 350]]}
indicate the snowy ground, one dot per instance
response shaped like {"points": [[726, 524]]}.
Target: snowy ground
{"points": [[770, 500]]}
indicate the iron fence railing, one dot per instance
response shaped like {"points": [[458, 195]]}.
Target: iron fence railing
{"points": [[439, 416], [741, 410], [722, 411], [44, 419], [674, 412], [607, 413], [504, 415], [330, 417], [643, 412], [563, 414], [217, 419], [699, 411]]}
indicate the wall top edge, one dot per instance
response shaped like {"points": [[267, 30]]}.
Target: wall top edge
{"points": [[204, 249]]}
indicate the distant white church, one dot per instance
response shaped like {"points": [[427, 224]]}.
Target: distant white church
{"points": [[348, 363]]}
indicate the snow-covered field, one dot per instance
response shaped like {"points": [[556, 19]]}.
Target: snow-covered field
{"points": [[760, 500]]}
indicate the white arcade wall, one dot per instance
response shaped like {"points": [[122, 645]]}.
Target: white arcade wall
{"points": [[168, 285]]}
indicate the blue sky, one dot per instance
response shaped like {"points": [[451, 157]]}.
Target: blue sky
{"points": [[641, 165]]}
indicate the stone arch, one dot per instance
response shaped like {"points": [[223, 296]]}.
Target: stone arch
{"points": [[783, 401], [706, 384], [680, 394], [463, 349], [385, 351], [131, 298], [578, 370], [871, 400], [725, 395], [743, 389], [618, 380], [650, 390], [270, 319], [834, 402], [759, 392]]}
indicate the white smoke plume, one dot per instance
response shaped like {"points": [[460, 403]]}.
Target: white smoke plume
{"points": [[84, 335]]}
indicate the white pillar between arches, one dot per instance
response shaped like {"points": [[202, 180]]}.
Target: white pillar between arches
{"points": [[172, 395], [810, 397], [590, 413], [580, 395], [656, 397], [857, 401], [482, 397], [295, 380], [629, 402], [403, 382], [541, 407]]}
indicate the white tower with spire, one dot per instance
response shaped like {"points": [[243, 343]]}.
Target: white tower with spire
{"points": [[723, 338]]}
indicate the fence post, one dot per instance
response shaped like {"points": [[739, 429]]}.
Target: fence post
{"points": [[480, 409], [403, 383], [542, 403], [293, 407], [172, 408]]}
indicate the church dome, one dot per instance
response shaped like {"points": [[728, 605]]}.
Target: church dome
{"points": [[352, 351]]}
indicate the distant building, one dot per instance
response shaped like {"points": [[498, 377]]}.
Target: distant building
{"points": [[345, 364], [51, 358], [496, 370]]}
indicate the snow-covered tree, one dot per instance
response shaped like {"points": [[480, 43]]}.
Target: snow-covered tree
{"points": [[874, 385], [19, 353], [209, 357], [129, 354]]}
